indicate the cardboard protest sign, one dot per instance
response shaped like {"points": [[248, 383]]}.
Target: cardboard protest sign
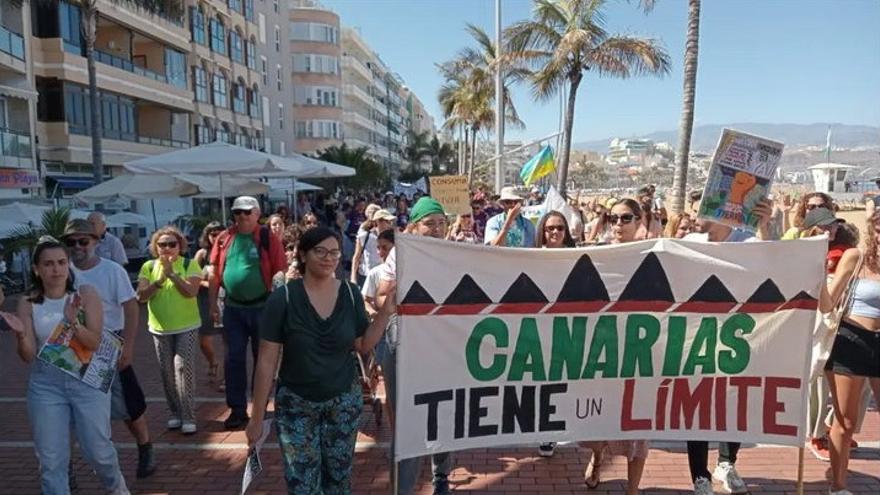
{"points": [[657, 340], [740, 177], [95, 368], [452, 192]]}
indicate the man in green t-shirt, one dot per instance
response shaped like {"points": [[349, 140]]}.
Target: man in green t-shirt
{"points": [[246, 257]]}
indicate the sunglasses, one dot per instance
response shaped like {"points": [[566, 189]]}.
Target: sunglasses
{"points": [[323, 253], [241, 212], [624, 219], [82, 242], [554, 228], [168, 245]]}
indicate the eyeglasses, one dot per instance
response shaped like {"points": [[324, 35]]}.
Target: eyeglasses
{"points": [[241, 212], [434, 225], [82, 241], [625, 219], [323, 253], [168, 245], [290, 247], [811, 207], [554, 228]]}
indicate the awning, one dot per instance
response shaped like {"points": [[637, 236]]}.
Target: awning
{"points": [[18, 91], [73, 182]]}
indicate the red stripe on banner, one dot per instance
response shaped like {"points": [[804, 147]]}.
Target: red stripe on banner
{"points": [[704, 307], [518, 308], [646, 306], [758, 307], [577, 307], [810, 304], [415, 309], [461, 309]]}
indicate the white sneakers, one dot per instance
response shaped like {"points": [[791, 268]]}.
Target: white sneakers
{"points": [[726, 473], [186, 427], [174, 423]]}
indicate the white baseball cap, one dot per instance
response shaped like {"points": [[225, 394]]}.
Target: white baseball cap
{"points": [[245, 203]]}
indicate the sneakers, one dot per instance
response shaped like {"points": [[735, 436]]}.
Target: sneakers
{"points": [[236, 421], [726, 473], [547, 449], [702, 486], [174, 423], [146, 464], [188, 427], [819, 448]]}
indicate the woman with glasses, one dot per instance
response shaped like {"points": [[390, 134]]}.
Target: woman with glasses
{"points": [[807, 203], [624, 218], [209, 328], [169, 284], [58, 403], [463, 229], [313, 325]]}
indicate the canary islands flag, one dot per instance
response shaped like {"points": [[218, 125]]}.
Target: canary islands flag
{"points": [[538, 166]]}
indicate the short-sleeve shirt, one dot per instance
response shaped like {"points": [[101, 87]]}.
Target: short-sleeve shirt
{"points": [[242, 277], [317, 362], [520, 234], [170, 311], [113, 286], [371, 283], [370, 254], [111, 248], [389, 268]]}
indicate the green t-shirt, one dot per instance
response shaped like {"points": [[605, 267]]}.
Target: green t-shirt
{"points": [[317, 362], [242, 278], [170, 311]]}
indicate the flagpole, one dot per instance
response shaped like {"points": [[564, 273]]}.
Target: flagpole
{"points": [[499, 103]]}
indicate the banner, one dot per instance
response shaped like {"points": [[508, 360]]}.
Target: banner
{"points": [[408, 190], [452, 192], [18, 178], [740, 177], [657, 340]]}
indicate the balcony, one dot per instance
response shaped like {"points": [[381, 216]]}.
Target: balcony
{"points": [[15, 148], [128, 66], [355, 65], [11, 43], [356, 91], [358, 119]]}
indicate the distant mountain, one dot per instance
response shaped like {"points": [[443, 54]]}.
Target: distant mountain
{"points": [[705, 137]]}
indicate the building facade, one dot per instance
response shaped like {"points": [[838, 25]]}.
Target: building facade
{"points": [[19, 176], [274, 65]]}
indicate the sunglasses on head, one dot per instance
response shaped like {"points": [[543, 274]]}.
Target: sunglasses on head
{"points": [[624, 219], [169, 244], [241, 212], [82, 241]]}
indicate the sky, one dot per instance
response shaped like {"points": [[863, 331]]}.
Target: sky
{"points": [[769, 61]]}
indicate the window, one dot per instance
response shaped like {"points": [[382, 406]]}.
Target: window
{"points": [[69, 17], [278, 77], [320, 129], [277, 39], [175, 68], [326, 96], [254, 102], [275, 5], [203, 134], [251, 54], [281, 116], [234, 5], [235, 47], [264, 70], [197, 25], [223, 134], [220, 91], [117, 113], [218, 36], [249, 10], [313, 31], [315, 63], [200, 84], [76, 109], [238, 98]]}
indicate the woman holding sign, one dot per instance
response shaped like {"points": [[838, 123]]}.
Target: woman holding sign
{"points": [[855, 357], [625, 227], [57, 400]]}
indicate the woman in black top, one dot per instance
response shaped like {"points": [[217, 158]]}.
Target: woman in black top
{"points": [[315, 324]]}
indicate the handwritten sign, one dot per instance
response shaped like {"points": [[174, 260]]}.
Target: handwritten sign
{"points": [[452, 192]]}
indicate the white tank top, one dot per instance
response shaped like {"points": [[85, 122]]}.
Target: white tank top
{"points": [[46, 317]]}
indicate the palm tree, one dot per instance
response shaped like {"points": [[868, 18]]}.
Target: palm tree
{"points": [[26, 236], [686, 124], [442, 156], [567, 38], [417, 147], [88, 27], [369, 174]]}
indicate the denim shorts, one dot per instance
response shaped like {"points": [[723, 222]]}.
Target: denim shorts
{"points": [[856, 351]]}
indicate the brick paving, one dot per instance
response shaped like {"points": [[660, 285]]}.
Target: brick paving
{"points": [[212, 460]]}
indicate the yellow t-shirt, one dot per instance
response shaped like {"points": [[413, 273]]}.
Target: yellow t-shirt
{"points": [[792, 234], [170, 311]]}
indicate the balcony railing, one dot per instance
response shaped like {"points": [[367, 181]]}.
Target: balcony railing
{"points": [[11, 43], [132, 138], [128, 66], [15, 144]]}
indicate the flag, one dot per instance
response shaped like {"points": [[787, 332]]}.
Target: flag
{"points": [[538, 166]]}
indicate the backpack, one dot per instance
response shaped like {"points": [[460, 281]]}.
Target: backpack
{"points": [[186, 262]]}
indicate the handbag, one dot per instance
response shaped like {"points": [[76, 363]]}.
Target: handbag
{"points": [[826, 327]]}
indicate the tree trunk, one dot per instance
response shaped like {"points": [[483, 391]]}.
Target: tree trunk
{"points": [[686, 124], [566, 137], [89, 19], [473, 157], [462, 168]]}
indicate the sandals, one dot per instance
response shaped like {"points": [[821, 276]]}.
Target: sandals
{"points": [[591, 474]]}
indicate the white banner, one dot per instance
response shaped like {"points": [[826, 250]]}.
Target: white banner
{"points": [[657, 340]]}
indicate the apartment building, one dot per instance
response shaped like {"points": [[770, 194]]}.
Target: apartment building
{"points": [[19, 177], [274, 66]]}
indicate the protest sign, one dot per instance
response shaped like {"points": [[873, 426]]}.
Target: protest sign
{"points": [[95, 368], [254, 466], [740, 177], [660, 340], [452, 192]]}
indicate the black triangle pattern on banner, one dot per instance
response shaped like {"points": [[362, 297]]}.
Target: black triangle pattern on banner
{"points": [[417, 295], [583, 283], [523, 290], [467, 292], [801, 300], [767, 292], [713, 290], [648, 283]]}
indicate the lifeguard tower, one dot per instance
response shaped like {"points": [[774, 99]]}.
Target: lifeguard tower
{"points": [[831, 178]]}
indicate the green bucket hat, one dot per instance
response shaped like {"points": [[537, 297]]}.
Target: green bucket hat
{"points": [[425, 206]]}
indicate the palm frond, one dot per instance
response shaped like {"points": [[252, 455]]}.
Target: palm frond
{"points": [[637, 56]]}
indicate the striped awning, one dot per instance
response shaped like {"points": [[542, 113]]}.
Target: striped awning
{"points": [[18, 91]]}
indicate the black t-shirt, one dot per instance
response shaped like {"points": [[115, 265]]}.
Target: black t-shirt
{"points": [[317, 361]]}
